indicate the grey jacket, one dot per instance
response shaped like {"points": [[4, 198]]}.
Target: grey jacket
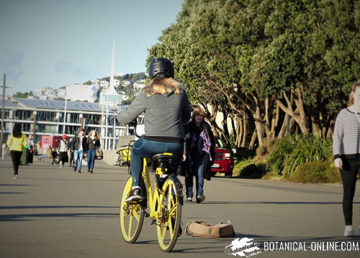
{"points": [[165, 115]]}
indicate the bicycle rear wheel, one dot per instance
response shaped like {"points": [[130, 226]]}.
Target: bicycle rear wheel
{"points": [[131, 216], [170, 209]]}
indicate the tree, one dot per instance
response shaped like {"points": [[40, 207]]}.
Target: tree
{"points": [[272, 66]]}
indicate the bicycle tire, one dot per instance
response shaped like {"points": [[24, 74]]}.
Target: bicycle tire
{"points": [[170, 206], [128, 214]]}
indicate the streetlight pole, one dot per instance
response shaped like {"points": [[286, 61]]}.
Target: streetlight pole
{"points": [[3, 114]]}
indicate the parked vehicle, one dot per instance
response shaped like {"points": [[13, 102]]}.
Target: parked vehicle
{"points": [[224, 161]]}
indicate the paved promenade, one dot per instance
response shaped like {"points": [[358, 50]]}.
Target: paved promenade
{"points": [[54, 212]]}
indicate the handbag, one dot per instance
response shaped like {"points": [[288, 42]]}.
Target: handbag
{"points": [[24, 157]]}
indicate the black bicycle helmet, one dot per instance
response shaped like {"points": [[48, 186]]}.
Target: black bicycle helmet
{"points": [[161, 68]]}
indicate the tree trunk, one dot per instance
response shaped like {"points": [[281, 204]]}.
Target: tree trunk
{"points": [[299, 114], [253, 139], [245, 131], [259, 126]]}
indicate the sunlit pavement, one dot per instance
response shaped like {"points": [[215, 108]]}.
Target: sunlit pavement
{"points": [[54, 212]]}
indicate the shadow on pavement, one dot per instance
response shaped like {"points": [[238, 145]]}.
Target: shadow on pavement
{"points": [[57, 206], [31, 216], [23, 217], [14, 185], [274, 202], [12, 192]]}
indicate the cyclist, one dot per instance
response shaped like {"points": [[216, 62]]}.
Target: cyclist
{"points": [[167, 109]]}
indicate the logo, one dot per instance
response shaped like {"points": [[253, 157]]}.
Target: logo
{"points": [[243, 247]]}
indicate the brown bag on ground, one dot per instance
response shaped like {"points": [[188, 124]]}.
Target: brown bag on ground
{"points": [[204, 229]]}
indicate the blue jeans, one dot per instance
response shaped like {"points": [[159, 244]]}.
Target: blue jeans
{"points": [[78, 155], [91, 155], [197, 169], [144, 149]]}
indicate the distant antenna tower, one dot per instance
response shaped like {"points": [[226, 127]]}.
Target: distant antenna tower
{"points": [[112, 66]]}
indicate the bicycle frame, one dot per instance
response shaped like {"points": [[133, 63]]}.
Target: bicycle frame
{"points": [[152, 194], [164, 208]]}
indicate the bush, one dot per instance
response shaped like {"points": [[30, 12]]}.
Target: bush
{"points": [[265, 150], [248, 169], [272, 175], [316, 171], [244, 153], [290, 152]]}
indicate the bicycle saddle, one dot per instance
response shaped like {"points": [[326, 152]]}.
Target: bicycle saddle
{"points": [[164, 160]]}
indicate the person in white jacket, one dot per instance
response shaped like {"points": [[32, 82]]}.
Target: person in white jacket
{"points": [[63, 150]]}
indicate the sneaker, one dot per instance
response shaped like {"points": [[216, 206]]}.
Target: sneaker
{"points": [[88, 170], [75, 169], [61, 165], [189, 199], [135, 195], [91, 171], [15, 176], [79, 171], [348, 231], [200, 198]]}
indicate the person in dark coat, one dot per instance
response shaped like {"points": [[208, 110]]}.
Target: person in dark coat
{"points": [[71, 151], [92, 143], [200, 154], [79, 150]]}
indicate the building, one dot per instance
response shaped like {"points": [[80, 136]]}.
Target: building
{"points": [[77, 92], [56, 117]]}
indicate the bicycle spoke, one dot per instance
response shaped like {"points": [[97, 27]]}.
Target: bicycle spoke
{"points": [[172, 211], [171, 229], [167, 230], [135, 214], [164, 231], [170, 198], [130, 225], [131, 216]]}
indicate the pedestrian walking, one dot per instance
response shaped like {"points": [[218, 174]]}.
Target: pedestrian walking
{"points": [[49, 152], [16, 143], [71, 152], [346, 150], [63, 156], [3, 153], [200, 154], [92, 144], [54, 156], [31, 149], [79, 149]]}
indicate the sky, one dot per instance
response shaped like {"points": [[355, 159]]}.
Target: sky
{"points": [[52, 43]]}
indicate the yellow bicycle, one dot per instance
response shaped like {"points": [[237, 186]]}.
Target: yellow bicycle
{"points": [[162, 204]]}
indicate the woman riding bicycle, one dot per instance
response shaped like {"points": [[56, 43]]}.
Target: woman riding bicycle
{"points": [[167, 109]]}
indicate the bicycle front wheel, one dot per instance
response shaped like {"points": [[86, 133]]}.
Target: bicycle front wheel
{"points": [[169, 209], [131, 216]]}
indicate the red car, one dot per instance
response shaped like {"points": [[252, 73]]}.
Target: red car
{"points": [[224, 161]]}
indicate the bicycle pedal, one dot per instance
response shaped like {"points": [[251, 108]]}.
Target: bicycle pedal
{"points": [[133, 202]]}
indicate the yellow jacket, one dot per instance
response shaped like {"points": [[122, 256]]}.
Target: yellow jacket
{"points": [[16, 144]]}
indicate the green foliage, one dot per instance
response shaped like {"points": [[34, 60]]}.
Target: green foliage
{"points": [[316, 171], [262, 152], [264, 49], [292, 151], [248, 169], [22, 94]]}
